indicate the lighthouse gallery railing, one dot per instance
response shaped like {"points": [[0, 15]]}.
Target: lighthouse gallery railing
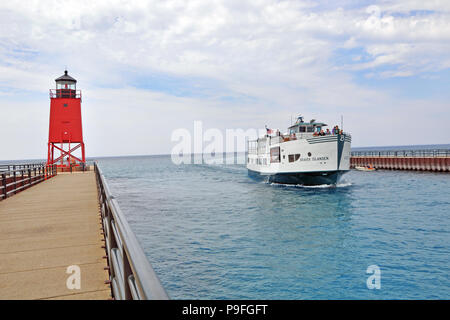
{"points": [[131, 275]]}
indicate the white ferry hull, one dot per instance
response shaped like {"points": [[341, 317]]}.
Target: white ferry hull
{"points": [[300, 178], [310, 161]]}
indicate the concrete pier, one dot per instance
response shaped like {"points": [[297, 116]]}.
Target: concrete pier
{"points": [[48, 228]]}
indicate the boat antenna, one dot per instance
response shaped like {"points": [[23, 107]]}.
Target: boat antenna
{"points": [[342, 122]]}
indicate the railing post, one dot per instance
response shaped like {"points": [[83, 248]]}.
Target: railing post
{"points": [[29, 176], [126, 273], [4, 185], [15, 181]]}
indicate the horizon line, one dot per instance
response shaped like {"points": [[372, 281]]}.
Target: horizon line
{"points": [[191, 154]]}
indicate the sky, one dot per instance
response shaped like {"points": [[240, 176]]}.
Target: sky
{"points": [[147, 68]]}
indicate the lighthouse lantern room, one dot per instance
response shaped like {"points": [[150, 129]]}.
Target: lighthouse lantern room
{"points": [[65, 129]]}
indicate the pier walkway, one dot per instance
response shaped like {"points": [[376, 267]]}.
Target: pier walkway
{"points": [[48, 228]]}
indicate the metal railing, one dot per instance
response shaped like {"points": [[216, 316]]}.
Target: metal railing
{"points": [[131, 275], [11, 167], [432, 153], [16, 178], [276, 139], [65, 93], [75, 167]]}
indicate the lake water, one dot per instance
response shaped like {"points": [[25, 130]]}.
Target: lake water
{"points": [[211, 232]]}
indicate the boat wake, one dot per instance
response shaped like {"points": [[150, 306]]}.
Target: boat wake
{"points": [[320, 186]]}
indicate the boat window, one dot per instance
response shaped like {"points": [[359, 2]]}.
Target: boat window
{"points": [[275, 154], [294, 157], [310, 129], [302, 129]]}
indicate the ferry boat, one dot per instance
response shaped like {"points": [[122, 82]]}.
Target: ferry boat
{"points": [[306, 155]]}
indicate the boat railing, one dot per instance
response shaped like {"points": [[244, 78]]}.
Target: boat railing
{"points": [[253, 148], [275, 140], [299, 136], [427, 153], [131, 274]]}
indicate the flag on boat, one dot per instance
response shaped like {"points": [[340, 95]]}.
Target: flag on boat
{"points": [[269, 131]]}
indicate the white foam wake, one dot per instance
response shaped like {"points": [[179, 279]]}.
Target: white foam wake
{"points": [[320, 186]]}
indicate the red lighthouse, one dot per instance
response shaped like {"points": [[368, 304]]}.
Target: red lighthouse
{"points": [[65, 130]]}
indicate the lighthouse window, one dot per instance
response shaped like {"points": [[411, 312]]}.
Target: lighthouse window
{"points": [[65, 105], [63, 85]]}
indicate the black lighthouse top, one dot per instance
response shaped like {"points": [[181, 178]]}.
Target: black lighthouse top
{"points": [[66, 87], [66, 77], [65, 82]]}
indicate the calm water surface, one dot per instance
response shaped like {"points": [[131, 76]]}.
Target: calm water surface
{"points": [[211, 232]]}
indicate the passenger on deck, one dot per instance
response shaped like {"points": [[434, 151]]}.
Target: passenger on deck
{"points": [[328, 132], [315, 134], [322, 133]]}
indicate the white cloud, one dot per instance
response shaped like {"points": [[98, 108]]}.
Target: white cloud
{"points": [[270, 58]]}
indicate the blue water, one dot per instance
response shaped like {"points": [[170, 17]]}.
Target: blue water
{"points": [[211, 232]]}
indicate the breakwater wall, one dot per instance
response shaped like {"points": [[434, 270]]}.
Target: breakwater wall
{"points": [[419, 160]]}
